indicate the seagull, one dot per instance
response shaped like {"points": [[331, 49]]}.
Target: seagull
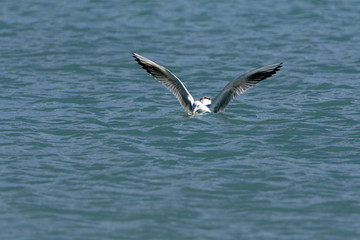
{"points": [[236, 87]]}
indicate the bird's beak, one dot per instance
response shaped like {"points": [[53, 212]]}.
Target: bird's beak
{"points": [[194, 112]]}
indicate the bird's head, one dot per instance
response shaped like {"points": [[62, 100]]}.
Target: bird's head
{"points": [[205, 100]]}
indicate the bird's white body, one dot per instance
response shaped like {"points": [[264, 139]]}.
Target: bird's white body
{"points": [[221, 101], [200, 107]]}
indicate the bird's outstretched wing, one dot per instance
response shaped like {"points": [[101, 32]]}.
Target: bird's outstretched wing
{"points": [[241, 84], [168, 79]]}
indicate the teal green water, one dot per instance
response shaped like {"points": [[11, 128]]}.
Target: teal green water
{"points": [[92, 147]]}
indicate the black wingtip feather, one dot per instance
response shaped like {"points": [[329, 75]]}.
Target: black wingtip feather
{"points": [[278, 67], [258, 77], [142, 64], [136, 59], [151, 69]]}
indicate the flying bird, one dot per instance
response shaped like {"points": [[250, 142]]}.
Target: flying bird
{"points": [[236, 87]]}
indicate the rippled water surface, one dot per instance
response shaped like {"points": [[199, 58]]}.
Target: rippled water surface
{"points": [[92, 147]]}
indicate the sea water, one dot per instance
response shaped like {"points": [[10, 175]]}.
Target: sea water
{"points": [[92, 147]]}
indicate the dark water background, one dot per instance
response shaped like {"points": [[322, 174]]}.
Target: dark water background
{"points": [[91, 147]]}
